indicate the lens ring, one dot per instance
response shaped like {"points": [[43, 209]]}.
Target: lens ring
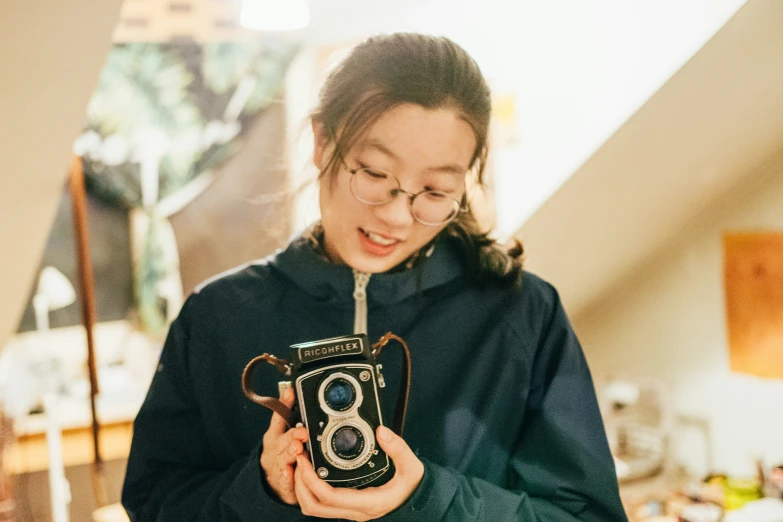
{"points": [[347, 442], [339, 394], [354, 452], [349, 380]]}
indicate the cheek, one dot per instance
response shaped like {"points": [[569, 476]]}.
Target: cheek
{"points": [[424, 235], [339, 208]]}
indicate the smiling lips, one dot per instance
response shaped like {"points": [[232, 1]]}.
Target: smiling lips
{"points": [[377, 244], [378, 238]]}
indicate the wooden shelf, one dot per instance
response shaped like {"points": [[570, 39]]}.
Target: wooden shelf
{"points": [[30, 453]]}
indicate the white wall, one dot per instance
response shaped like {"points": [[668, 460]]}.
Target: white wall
{"points": [[578, 70], [667, 322], [50, 56]]}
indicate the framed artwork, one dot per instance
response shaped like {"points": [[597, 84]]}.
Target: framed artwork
{"points": [[753, 280]]}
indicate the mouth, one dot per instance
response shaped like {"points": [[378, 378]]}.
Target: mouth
{"points": [[379, 239], [377, 245]]}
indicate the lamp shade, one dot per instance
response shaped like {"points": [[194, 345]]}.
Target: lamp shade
{"points": [[274, 15], [55, 288]]}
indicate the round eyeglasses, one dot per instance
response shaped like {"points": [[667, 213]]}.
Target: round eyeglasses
{"points": [[428, 207]]}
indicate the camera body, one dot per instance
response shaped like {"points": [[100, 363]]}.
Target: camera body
{"points": [[337, 384]]}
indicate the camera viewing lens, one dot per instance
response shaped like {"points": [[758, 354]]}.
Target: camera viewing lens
{"points": [[348, 442], [339, 395]]}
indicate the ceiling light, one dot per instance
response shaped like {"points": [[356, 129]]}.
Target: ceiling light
{"points": [[274, 15]]}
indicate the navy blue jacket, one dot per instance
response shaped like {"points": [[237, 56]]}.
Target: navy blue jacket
{"points": [[502, 409]]}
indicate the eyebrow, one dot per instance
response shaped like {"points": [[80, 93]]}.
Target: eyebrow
{"points": [[451, 168]]}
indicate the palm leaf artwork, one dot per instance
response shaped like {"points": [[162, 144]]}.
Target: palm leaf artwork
{"points": [[271, 63], [227, 65], [182, 92], [143, 85]]}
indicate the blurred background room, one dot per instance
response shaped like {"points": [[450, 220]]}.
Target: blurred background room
{"points": [[637, 151]]}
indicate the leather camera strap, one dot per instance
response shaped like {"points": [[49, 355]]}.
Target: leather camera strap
{"points": [[283, 366], [401, 408], [272, 403]]}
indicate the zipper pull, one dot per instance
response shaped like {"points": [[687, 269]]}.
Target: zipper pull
{"points": [[361, 280]]}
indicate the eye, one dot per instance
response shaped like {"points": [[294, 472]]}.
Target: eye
{"points": [[372, 173], [434, 195], [439, 191]]}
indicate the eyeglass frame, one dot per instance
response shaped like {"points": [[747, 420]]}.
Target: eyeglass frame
{"points": [[460, 207]]}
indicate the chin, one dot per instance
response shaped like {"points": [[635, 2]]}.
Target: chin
{"points": [[372, 265]]}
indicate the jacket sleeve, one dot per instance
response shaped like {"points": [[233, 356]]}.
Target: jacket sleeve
{"points": [[561, 469], [172, 474]]}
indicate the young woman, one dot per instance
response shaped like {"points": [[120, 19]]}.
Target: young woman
{"points": [[503, 422]]}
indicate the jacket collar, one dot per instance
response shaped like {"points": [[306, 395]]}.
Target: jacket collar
{"points": [[327, 281]]}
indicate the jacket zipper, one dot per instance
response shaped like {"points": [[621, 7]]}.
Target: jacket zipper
{"points": [[360, 279]]}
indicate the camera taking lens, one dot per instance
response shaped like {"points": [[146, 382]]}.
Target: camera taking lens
{"points": [[339, 395], [348, 442]]}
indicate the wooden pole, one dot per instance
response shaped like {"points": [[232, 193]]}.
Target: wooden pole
{"points": [[79, 199]]}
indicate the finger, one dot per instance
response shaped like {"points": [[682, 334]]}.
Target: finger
{"points": [[286, 492], [364, 501], [278, 425], [300, 434], [311, 505], [291, 451], [405, 461], [321, 489], [278, 443], [305, 497], [287, 397], [282, 449]]}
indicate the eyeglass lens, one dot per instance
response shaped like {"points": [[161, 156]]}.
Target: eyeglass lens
{"points": [[376, 187]]}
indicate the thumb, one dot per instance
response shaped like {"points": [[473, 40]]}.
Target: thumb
{"points": [[287, 397], [397, 449], [278, 424]]}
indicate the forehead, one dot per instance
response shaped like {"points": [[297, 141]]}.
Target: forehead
{"points": [[413, 136]]}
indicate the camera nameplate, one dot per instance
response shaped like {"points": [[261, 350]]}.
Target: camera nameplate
{"points": [[328, 349]]}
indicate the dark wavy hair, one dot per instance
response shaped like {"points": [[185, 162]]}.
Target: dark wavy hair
{"points": [[433, 72]]}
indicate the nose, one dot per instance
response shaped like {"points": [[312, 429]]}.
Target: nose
{"points": [[397, 212]]}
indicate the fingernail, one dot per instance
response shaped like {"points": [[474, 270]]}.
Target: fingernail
{"points": [[385, 433]]}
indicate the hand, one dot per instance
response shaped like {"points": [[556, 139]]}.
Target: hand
{"points": [[281, 447], [317, 498]]}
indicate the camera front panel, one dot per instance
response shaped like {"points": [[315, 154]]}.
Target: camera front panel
{"points": [[340, 408]]}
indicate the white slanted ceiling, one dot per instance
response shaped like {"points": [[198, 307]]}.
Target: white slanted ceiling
{"points": [[706, 131], [51, 53]]}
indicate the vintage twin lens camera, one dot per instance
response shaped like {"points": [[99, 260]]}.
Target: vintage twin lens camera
{"points": [[336, 382]]}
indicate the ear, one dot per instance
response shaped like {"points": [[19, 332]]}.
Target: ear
{"points": [[320, 144]]}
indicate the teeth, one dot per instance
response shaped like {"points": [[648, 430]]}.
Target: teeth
{"points": [[375, 238]]}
